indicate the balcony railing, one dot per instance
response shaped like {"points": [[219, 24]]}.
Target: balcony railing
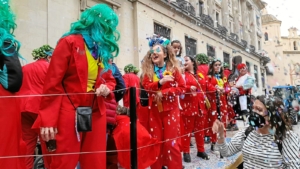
{"points": [[207, 20], [222, 29], [252, 48], [245, 43], [187, 6], [234, 37]]}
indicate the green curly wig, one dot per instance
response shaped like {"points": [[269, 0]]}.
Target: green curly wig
{"points": [[7, 27], [42, 52], [202, 58], [100, 24], [131, 69]]}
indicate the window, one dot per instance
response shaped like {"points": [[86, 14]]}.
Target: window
{"points": [[210, 51], [226, 58], [217, 17], [295, 45], [190, 46], [162, 31], [256, 75], [200, 8], [263, 78], [258, 45], [266, 36], [248, 66]]}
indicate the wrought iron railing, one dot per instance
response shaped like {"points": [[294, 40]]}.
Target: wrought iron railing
{"points": [[186, 6], [245, 43], [207, 20], [222, 29]]}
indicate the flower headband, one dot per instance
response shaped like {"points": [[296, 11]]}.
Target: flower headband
{"points": [[155, 39]]}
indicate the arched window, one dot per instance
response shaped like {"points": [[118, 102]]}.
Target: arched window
{"points": [[295, 45], [266, 36]]}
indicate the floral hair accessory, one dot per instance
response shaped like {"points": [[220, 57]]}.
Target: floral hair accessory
{"points": [[155, 39], [201, 75], [225, 79], [167, 73]]}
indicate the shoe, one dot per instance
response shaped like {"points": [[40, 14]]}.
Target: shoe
{"points": [[221, 156], [203, 155], [191, 145], [212, 147], [163, 167], [207, 140], [187, 157]]}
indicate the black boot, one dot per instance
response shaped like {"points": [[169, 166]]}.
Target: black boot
{"points": [[221, 156], [212, 147], [187, 157], [163, 167], [202, 155], [191, 145]]}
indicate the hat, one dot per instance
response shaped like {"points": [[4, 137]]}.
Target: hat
{"points": [[241, 66]]}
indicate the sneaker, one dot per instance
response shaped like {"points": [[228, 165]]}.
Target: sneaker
{"points": [[202, 155], [212, 147], [187, 157]]}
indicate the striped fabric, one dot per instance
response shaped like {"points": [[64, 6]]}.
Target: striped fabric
{"points": [[260, 151]]}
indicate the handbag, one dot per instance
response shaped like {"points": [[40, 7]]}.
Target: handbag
{"points": [[207, 103], [83, 115]]}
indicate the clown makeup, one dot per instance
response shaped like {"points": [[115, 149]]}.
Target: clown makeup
{"points": [[217, 67], [177, 47], [158, 55], [243, 71]]}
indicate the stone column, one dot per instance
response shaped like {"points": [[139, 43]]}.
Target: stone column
{"points": [[236, 20], [253, 27], [245, 20], [211, 9], [225, 14]]}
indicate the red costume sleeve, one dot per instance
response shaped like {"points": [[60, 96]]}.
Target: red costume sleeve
{"points": [[110, 82], [178, 89], [150, 85], [50, 105]]}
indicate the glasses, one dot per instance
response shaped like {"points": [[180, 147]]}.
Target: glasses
{"points": [[157, 50]]}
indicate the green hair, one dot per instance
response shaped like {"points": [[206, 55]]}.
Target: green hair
{"points": [[7, 27], [100, 24], [42, 52], [131, 69], [202, 58]]}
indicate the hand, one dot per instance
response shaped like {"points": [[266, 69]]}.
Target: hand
{"points": [[166, 79], [218, 127], [48, 133], [193, 88], [103, 90], [158, 97]]}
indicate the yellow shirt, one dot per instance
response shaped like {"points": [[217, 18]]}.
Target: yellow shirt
{"points": [[92, 70]]}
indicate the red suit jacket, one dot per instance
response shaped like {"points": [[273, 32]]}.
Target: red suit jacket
{"points": [[170, 90], [203, 68], [131, 80], [192, 104], [34, 75], [69, 67], [227, 72]]}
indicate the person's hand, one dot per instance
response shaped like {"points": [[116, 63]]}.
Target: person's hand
{"points": [[158, 97], [48, 133], [103, 90], [193, 88], [218, 127], [165, 79]]}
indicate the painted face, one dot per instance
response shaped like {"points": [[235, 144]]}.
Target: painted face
{"points": [[217, 67], [176, 47], [188, 64], [157, 55], [243, 71]]}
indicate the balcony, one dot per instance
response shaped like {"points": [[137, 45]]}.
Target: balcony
{"points": [[207, 20], [252, 48], [234, 37], [186, 6], [222, 29], [244, 43]]}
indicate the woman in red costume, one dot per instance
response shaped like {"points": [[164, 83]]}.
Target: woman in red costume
{"points": [[80, 64], [193, 113], [10, 83], [131, 80], [216, 84], [163, 81]]}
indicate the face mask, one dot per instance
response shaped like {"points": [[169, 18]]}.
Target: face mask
{"points": [[257, 120]]}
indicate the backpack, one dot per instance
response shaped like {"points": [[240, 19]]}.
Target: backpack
{"points": [[247, 132], [11, 75]]}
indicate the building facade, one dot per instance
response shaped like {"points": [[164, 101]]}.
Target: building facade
{"points": [[283, 51], [220, 28]]}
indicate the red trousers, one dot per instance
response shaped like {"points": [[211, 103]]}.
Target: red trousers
{"points": [[165, 126], [188, 125], [111, 157], [11, 133], [66, 140], [143, 115], [29, 136]]}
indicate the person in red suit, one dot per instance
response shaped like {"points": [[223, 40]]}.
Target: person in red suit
{"points": [[202, 61], [193, 113], [131, 80], [216, 83], [33, 82], [231, 115], [79, 64], [11, 76], [164, 83]]}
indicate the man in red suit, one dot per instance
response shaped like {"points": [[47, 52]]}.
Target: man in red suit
{"points": [[202, 61], [131, 80], [33, 82]]}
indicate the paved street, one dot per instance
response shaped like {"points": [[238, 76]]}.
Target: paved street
{"points": [[215, 162]]}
